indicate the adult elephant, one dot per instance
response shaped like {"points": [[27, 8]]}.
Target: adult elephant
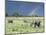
{"points": [[36, 23]]}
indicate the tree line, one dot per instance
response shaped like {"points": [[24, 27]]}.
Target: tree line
{"points": [[19, 15]]}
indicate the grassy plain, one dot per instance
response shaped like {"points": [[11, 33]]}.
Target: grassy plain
{"points": [[19, 26]]}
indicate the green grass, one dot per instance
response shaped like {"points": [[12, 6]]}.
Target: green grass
{"points": [[19, 25]]}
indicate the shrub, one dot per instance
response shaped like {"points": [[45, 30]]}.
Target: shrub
{"points": [[10, 21]]}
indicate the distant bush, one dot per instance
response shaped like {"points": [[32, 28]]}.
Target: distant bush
{"points": [[16, 14], [10, 21], [25, 21], [13, 29], [34, 15]]}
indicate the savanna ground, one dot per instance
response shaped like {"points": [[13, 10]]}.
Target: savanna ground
{"points": [[18, 25]]}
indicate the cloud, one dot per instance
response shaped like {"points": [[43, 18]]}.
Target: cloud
{"points": [[34, 12]]}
